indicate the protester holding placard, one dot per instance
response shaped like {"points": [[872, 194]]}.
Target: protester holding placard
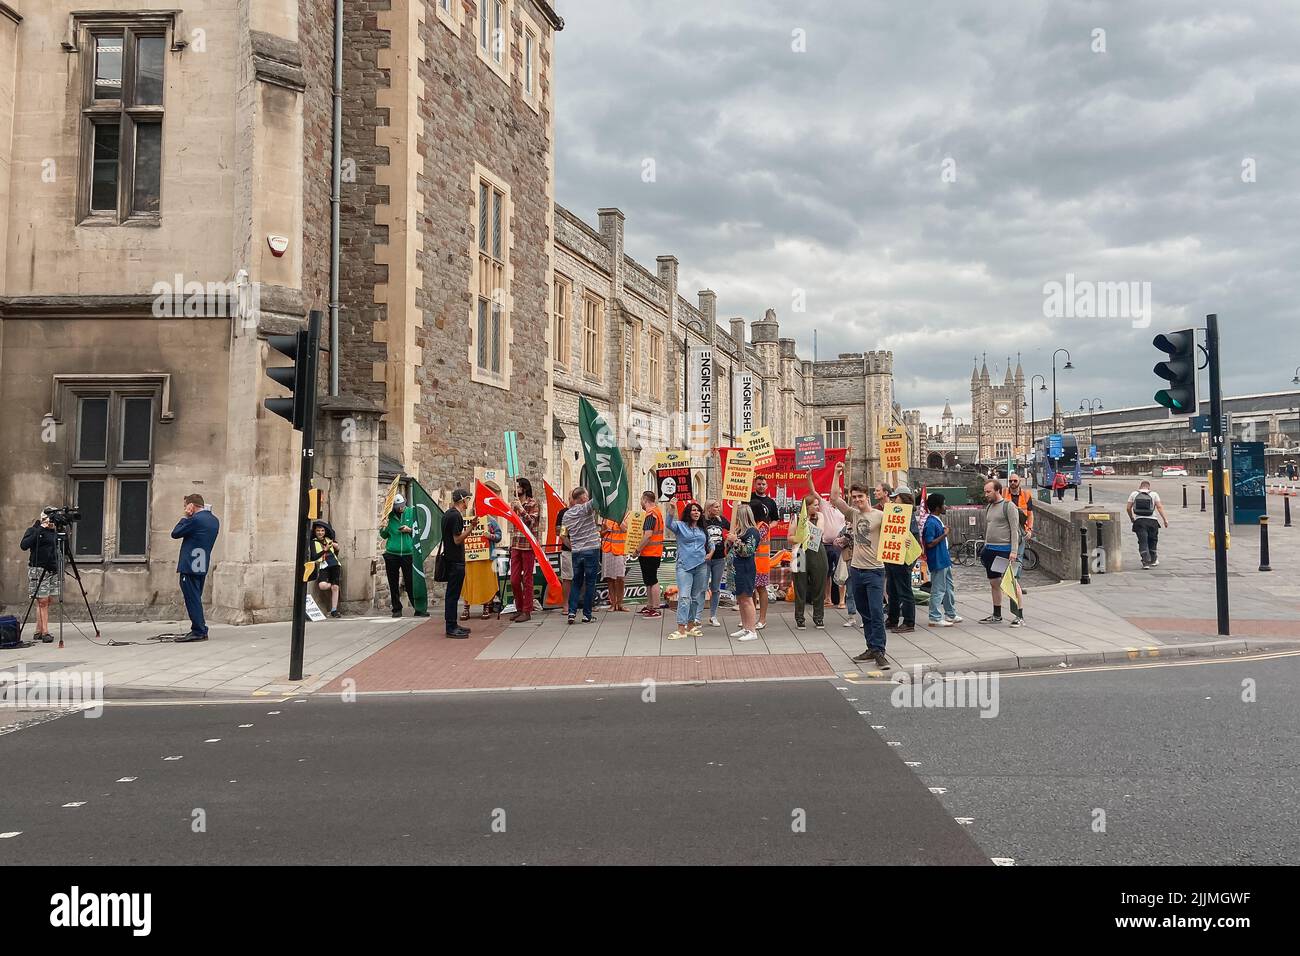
{"points": [[481, 583], [718, 528], [866, 574], [743, 541], [521, 549], [692, 569], [766, 513], [900, 607], [810, 564]]}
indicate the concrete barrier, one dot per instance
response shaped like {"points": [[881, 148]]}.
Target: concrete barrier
{"points": [[1056, 538]]}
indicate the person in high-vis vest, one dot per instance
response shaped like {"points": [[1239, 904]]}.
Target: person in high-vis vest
{"points": [[613, 541], [1021, 497], [651, 552]]}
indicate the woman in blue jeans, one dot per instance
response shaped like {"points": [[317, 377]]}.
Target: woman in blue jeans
{"points": [[717, 528], [692, 568]]}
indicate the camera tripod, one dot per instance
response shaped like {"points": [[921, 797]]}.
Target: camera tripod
{"points": [[64, 552]]}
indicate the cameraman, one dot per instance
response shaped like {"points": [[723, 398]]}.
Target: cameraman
{"points": [[43, 579]]}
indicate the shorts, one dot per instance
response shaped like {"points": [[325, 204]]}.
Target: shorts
{"points": [[614, 565], [762, 580], [989, 554], [745, 577], [650, 568], [329, 575], [51, 586], [566, 565]]}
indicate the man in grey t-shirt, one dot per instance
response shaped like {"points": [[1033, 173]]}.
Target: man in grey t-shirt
{"points": [[1143, 506]]}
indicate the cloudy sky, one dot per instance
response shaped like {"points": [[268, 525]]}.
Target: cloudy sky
{"points": [[923, 170]]}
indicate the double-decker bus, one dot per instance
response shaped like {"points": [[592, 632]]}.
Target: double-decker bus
{"points": [[1067, 462]]}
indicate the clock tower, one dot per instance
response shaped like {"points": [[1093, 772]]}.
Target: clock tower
{"points": [[997, 412]]}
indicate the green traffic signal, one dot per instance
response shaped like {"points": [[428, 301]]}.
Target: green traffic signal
{"points": [[1179, 370]]}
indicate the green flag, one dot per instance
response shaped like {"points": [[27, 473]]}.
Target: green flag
{"points": [[604, 463], [426, 534]]}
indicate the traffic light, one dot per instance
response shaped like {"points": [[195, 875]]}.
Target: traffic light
{"points": [[1179, 370], [298, 378]]}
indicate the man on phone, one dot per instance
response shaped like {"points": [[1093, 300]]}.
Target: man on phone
{"points": [[198, 530]]}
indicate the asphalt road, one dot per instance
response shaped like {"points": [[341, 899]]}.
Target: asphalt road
{"points": [[704, 774], [1185, 770]]}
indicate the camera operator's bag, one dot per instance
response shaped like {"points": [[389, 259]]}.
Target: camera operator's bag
{"points": [[9, 631]]}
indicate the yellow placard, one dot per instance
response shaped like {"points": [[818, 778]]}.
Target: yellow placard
{"points": [[738, 479], [894, 533], [913, 549], [893, 449], [478, 546], [800, 534], [635, 531], [757, 443], [672, 459]]}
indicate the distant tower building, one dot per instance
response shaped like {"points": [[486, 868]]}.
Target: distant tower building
{"points": [[948, 424], [997, 412]]}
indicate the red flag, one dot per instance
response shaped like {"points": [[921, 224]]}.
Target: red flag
{"points": [[554, 505], [487, 503]]}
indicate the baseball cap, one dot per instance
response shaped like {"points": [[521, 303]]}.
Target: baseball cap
{"points": [[398, 500], [900, 490], [460, 494]]}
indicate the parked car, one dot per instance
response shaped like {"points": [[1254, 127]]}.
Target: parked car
{"points": [[1173, 471], [1101, 470]]}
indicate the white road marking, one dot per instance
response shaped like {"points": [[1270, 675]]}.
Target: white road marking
{"points": [[894, 743], [213, 740], [173, 758], [877, 726], [242, 726], [1003, 861], [938, 789], [912, 763], [965, 821], [79, 803], [863, 712], [272, 713], [10, 835], [127, 779]]}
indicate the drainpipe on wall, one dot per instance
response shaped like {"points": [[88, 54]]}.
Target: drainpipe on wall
{"points": [[336, 197]]}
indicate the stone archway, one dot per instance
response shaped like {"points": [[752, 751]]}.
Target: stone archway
{"points": [[951, 460], [935, 460]]}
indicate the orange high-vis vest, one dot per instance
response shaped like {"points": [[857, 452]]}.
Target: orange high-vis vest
{"points": [[654, 541], [614, 540], [763, 556], [1022, 502]]}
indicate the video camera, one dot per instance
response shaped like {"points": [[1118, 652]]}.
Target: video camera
{"points": [[61, 518]]}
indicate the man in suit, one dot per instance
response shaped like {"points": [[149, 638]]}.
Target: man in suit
{"points": [[198, 532]]}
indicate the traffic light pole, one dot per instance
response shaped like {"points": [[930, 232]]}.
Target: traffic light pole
{"points": [[307, 470], [1217, 446]]}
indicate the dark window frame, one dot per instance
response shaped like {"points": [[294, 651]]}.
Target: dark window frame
{"points": [[125, 113], [114, 470]]}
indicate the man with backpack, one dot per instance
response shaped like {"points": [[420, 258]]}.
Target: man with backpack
{"points": [[1143, 505]]}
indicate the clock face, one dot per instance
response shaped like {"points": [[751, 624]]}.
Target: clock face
{"points": [[1003, 409]]}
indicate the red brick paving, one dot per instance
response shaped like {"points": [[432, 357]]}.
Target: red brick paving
{"points": [[1241, 627], [423, 659]]}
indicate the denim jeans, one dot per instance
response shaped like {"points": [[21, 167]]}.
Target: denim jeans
{"points": [[690, 592], [941, 592], [717, 570], [586, 570], [869, 596]]}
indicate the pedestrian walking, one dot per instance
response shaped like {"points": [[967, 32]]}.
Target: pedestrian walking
{"points": [[399, 554], [1143, 506], [692, 569], [934, 537], [810, 564], [198, 531], [1001, 544], [900, 601], [866, 573], [717, 528], [454, 533], [521, 549], [581, 523], [651, 552], [744, 541], [1059, 484], [328, 570]]}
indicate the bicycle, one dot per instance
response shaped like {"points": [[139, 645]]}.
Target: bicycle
{"points": [[1030, 561], [968, 552]]}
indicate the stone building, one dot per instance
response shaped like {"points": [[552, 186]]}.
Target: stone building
{"points": [[164, 195], [998, 414], [621, 335]]}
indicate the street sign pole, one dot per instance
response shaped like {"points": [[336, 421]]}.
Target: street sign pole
{"points": [[307, 470], [1217, 447]]}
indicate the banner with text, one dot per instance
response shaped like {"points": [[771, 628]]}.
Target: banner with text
{"points": [[743, 416], [699, 397], [786, 484]]}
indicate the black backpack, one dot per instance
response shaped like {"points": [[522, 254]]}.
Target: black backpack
{"points": [[1144, 506]]}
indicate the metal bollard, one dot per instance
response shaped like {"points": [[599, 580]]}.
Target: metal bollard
{"points": [[1202, 498], [1076, 492], [1090, 492], [1263, 543], [1286, 511], [1184, 497], [1084, 577]]}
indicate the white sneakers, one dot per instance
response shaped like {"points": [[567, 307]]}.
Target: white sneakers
{"points": [[760, 625], [851, 622], [738, 635], [714, 622], [747, 636]]}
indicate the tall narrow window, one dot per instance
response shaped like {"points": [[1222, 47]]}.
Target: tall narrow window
{"points": [[656, 366], [835, 433], [122, 117], [560, 320], [530, 63], [592, 316], [492, 296]]}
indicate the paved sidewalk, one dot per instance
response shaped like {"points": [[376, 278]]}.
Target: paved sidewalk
{"points": [[235, 662]]}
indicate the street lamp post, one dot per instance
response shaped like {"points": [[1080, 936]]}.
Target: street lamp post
{"points": [[1092, 405], [1296, 381], [1033, 430], [1066, 367]]}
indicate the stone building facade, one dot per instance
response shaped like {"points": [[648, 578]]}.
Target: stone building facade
{"points": [[998, 413], [621, 336]]}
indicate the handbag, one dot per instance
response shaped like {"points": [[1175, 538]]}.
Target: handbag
{"points": [[440, 566]]}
